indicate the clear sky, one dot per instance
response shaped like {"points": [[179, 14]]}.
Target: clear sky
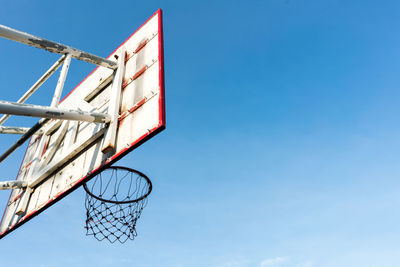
{"points": [[282, 145]]}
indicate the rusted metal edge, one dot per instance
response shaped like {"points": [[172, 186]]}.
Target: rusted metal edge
{"points": [[140, 47], [137, 74], [15, 198], [137, 105]]}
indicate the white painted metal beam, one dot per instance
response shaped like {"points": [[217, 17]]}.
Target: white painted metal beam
{"points": [[23, 138], [61, 81], [16, 130], [29, 39], [12, 185], [64, 158], [37, 84], [51, 113], [115, 103]]}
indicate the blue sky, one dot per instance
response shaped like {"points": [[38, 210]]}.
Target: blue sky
{"points": [[282, 141]]}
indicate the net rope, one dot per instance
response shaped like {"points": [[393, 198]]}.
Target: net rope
{"points": [[115, 199]]}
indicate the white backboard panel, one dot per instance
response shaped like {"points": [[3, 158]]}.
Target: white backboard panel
{"points": [[52, 159]]}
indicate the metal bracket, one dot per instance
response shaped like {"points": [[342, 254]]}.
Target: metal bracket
{"points": [[115, 103]]}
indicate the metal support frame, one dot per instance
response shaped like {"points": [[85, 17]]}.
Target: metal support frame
{"points": [[61, 81], [29, 39], [60, 161], [115, 103], [37, 84], [13, 185], [51, 113], [16, 130], [23, 138]]}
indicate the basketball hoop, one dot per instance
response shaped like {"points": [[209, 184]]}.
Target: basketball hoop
{"points": [[115, 109], [114, 202]]}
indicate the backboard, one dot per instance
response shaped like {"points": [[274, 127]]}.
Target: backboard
{"points": [[68, 153]]}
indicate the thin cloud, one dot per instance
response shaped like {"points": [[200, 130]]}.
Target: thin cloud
{"points": [[307, 263], [273, 262]]}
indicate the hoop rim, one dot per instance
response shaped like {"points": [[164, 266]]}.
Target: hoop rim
{"points": [[121, 202]]}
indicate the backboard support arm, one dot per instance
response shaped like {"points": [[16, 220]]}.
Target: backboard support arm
{"points": [[29, 110], [115, 103], [29, 39], [61, 81], [16, 130], [13, 185], [46, 113], [36, 85], [23, 138]]}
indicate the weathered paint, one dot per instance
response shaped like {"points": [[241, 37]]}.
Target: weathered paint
{"points": [[115, 104], [23, 138], [12, 185], [51, 113], [16, 130], [37, 84], [76, 163], [61, 81], [29, 39]]}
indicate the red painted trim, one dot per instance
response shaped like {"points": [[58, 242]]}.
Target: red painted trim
{"points": [[123, 115], [135, 107], [139, 73], [127, 57], [17, 197], [132, 109], [125, 83], [27, 165], [121, 153], [157, 12], [141, 45], [45, 148], [161, 103]]}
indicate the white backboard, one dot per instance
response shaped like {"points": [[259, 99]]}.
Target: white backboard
{"points": [[52, 158]]}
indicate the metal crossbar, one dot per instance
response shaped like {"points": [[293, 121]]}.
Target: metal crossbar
{"points": [[44, 112], [37, 84], [29, 39]]}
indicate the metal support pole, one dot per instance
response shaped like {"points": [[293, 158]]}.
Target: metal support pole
{"points": [[23, 138], [61, 81], [54, 47], [115, 104], [16, 130], [36, 86], [51, 113], [13, 185]]}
